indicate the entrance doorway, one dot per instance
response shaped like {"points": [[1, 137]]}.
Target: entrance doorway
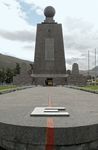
{"points": [[49, 82]]}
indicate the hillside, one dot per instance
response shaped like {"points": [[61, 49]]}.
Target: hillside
{"points": [[9, 61], [91, 72], [95, 68]]}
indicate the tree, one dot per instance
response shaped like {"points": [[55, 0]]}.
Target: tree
{"points": [[9, 75], [2, 75], [17, 69]]}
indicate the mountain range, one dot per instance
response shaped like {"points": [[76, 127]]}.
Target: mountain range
{"points": [[91, 72], [10, 62]]}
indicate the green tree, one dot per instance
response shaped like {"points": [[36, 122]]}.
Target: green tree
{"points": [[17, 69], [9, 75], [2, 76]]}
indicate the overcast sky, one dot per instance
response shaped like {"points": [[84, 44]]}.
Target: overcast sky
{"points": [[79, 18]]}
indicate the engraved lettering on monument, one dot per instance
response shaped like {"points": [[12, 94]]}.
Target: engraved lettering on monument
{"points": [[49, 49]]}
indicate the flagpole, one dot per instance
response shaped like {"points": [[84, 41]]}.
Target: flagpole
{"points": [[88, 64], [95, 66]]}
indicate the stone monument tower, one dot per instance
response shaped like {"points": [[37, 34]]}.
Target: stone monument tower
{"points": [[49, 62], [75, 69]]}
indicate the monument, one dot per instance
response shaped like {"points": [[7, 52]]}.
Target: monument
{"points": [[21, 130], [76, 78], [49, 62], [75, 69]]}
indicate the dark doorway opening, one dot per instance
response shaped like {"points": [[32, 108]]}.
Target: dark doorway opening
{"points": [[49, 82], [2, 148]]}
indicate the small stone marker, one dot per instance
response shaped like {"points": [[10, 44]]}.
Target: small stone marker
{"points": [[49, 111]]}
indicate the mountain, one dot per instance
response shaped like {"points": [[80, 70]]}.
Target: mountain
{"points": [[91, 72], [9, 61], [95, 68]]}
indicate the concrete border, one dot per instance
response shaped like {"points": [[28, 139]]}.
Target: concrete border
{"points": [[14, 89], [12, 136], [79, 88]]}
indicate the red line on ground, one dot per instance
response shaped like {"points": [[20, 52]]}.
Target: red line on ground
{"points": [[50, 131], [49, 102]]}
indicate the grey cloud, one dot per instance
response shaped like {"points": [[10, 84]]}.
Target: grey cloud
{"points": [[72, 60], [7, 5], [21, 36], [80, 35], [77, 42], [28, 47], [78, 24], [82, 62], [84, 55]]}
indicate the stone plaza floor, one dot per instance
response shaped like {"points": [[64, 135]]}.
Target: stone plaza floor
{"points": [[17, 126]]}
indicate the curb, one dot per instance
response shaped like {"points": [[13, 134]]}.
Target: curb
{"points": [[16, 89], [78, 88]]}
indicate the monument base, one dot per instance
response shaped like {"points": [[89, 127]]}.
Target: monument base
{"points": [[49, 79]]}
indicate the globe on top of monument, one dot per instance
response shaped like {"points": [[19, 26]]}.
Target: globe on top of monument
{"points": [[49, 11]]}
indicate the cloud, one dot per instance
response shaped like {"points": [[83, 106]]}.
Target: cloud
{"points": [[12, 17], [80, 35], [78, 24], [22, 36], [32, 13], [72, 60], [29, 47], [7, 5], [18, 21], [81, 61]]}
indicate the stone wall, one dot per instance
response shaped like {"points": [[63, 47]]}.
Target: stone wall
{"points": [[24, 78], [8, 145], [78, 80]]}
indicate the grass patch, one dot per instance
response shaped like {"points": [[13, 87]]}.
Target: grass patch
{"points": [[8, 87], [90, 87]]}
